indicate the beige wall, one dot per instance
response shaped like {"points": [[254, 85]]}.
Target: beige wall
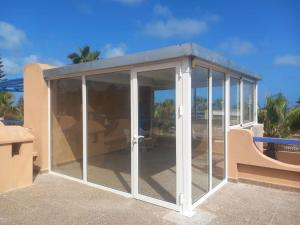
{"points": [[16, 145], [36, 110], [246, 161]]}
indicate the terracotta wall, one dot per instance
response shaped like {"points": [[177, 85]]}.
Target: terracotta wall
{"points": [[246, 161], [36, 110]]}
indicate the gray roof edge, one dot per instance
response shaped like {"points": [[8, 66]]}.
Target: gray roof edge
{"points": [[126, 60], [171, 52], [213, 57]]}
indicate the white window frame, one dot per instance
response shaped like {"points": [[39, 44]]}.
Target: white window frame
{"points": [[239, 78], [255, 102], [251, 123], [84, 138], [211, 68]]}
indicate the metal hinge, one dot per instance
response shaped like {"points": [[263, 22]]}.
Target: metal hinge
{"points": [[180, 199], [180, 110]]}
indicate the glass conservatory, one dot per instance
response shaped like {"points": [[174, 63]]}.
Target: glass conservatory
{"points": [[150, 125]]}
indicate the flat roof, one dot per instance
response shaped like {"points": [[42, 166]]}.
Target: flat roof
{"points": [[172, 52]]}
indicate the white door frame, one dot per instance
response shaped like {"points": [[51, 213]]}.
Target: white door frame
{"points": [[134, 127]]}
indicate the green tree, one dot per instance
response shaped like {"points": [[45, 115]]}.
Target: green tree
{"points": [[278, 119], [19, 109], [85, 55], [294, 118], [163, 114], [201, 103], [2, 74], [6, 104], [217, 104]]}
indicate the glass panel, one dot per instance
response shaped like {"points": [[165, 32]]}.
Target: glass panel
{"points": [[66, 124], [200, 166], [248, 99], [218, 127], [109, 130], [157, 148], [234, 101]]}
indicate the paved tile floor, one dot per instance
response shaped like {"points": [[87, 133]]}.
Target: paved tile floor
{"points": [[54, 200]]}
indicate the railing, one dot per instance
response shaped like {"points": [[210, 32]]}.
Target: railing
{"points": [[12, 122], [281, 149], [277, 140], [13, 85]]}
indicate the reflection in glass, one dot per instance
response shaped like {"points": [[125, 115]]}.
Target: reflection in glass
{"points": [[66, 124], [248, 99], [234, 101], [157, 148], [199, 132], [218, 127], [109, 130]]}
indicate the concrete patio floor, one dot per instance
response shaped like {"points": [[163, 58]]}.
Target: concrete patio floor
{"points": [[55, 200]]}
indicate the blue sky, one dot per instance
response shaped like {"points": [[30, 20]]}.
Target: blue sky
{"points": [[264, 36]]}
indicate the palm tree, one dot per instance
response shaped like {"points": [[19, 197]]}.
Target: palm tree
{"points": [[278, 119], [294, 118], [164, 112], [2, 74], [85, 55], [19, 109], [201, 103], [275, 116], [6, 104]]}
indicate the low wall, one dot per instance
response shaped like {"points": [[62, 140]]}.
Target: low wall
{"points": [[246, 161], [16, 156], [288, 157]]}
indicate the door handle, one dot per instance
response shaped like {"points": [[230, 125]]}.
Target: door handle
{"points": [[135, 139]]}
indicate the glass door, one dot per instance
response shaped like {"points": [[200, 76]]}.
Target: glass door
{"points": [[155, 136]]}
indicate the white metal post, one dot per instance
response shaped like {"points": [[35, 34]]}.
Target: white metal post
{"points": [[134, 132], [179, 124], [241, 101], [227, 118], [186, 143], [210, 127], [49, 126], [255, 102], [84, 129]]}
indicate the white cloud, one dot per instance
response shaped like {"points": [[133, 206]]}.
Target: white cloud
{"points": [[175, 28], [10, 36], [129, 2], [31, 59], [168, 25], [237, 46], [15, 65], [110, 51], [11, 66], [162, 10], [213, 18], [290, 60]]}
